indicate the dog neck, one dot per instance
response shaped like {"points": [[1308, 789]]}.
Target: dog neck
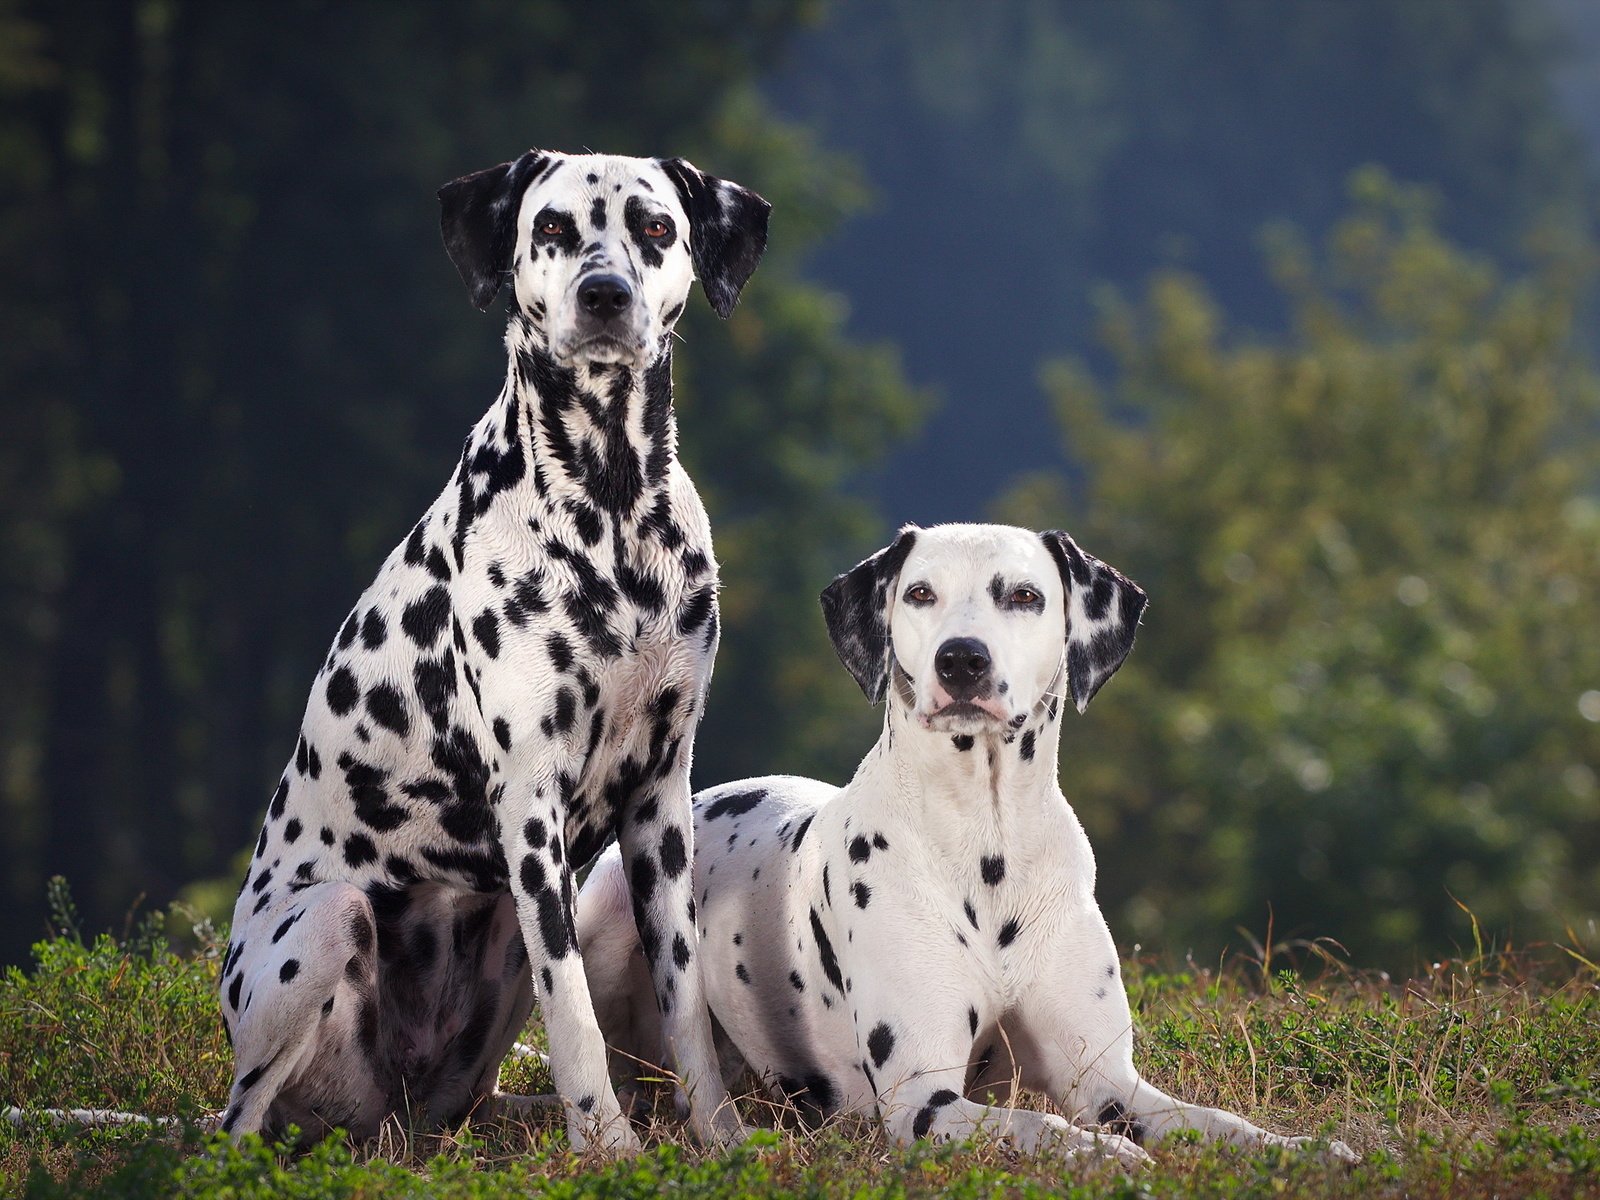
{"points": [[1000, 777], [601, 438]]}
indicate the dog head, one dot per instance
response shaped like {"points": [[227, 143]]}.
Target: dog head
{"points": [[600, 249], [976, 626]]}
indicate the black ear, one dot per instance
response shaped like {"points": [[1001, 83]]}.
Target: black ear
{"points": [[855, 607], [1103, 607], [727, 231], [478, 217]]}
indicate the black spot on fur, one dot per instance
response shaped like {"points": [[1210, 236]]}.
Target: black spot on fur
{"points": [[993, 867], [437, 566], [860, 849], [486, 628], [560, 652], [1009, 931], [288, 924], [553, 925], [880, 1044], [435, 681], [280, 800], [926, 1114], [359, 850], [290, 968], [424, 619], [696, 609], [799, 835], [674, 856], [863, 894], [1027, 746], [830, 963], [388, 709], [735, 805], [342, 692]]}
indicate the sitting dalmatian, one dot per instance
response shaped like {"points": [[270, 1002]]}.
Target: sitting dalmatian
{"points": [[926, 936], [519, 686]]}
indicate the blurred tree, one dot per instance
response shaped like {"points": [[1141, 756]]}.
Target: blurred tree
{"points": [[1369, 681], [1028, 149], [237, 365]]}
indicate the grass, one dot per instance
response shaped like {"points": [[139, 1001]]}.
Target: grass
{"points": [[1481, 1078]]}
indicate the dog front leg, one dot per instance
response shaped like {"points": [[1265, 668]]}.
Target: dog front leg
{"points": [[917, 1039], [1140, 1110], [542, 885], [658, 854], [1085, 1033]]}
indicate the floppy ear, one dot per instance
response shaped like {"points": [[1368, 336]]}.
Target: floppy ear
{"points": [[478, 217], [727, 231], [855, 607], [1103, 607]]}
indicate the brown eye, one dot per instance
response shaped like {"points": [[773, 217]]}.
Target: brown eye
{"points": [[655, 229], [552, 228], [919, 593], [1026, 597]]}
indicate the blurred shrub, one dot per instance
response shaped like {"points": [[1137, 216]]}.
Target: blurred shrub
{"points": [[1369, 681]]}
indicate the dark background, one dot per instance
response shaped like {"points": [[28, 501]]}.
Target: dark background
{"points": [[1284, 308]]}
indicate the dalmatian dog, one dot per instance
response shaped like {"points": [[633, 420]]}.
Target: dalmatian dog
{"points": [[518, 687], [922, 940]]}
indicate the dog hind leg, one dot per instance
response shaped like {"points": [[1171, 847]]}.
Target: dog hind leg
{"points": [[302, 996]]}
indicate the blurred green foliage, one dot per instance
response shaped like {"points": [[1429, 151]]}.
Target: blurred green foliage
{"points": [[1028, 150], [1365, 692]]}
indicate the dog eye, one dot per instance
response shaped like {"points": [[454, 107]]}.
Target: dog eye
{"points": [[657, 228], [919, 593], [1026, 597], [551, 228]]}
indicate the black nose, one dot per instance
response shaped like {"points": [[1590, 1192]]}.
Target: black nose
{"points": [[963, 667], [605, 296]]}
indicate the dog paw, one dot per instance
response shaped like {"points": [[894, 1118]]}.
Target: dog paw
{"points": [[1127, 1153], [725, 1130], [1103, 1147], [1330, 1152], [611, 1139]]}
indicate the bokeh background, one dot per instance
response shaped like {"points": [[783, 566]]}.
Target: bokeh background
{"points": [[1285, 308]]}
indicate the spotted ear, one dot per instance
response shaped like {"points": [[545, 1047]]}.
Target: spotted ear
{"points": [[478, 217], [1103, 607], [856, 609], [727, 231]]}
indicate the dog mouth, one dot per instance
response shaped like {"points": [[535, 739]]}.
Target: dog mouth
{"points": [[604, 348], [961, 715]]}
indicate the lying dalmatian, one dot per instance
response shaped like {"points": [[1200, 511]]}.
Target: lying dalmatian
{"points": [[518, 687], [926, 935]]}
